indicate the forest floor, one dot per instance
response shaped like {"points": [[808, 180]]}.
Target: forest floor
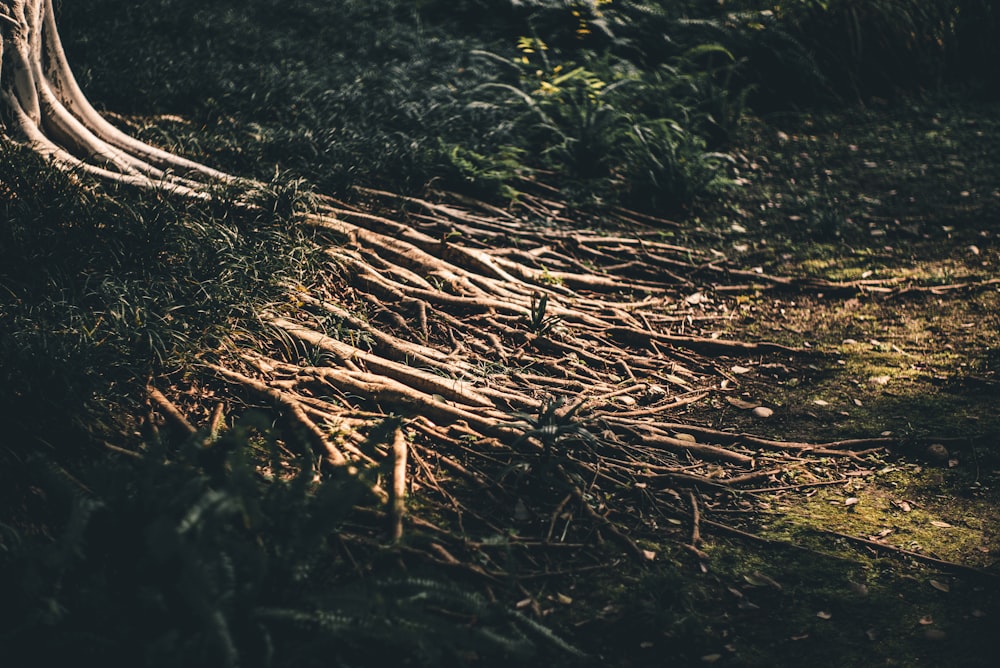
{"points": [[910, 195], [885, 558]]}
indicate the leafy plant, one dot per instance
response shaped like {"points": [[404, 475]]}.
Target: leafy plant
{"points": [[537, 321], [189, 558], [553, 425]]}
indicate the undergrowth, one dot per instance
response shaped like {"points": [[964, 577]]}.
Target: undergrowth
{"points": [[187, 555], [105, 287]]}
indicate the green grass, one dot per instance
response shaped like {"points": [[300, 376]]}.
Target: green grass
{"points": [[104, 287]]}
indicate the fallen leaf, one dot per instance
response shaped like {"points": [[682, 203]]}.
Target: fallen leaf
{"points": [[737, 369], [940, 524], [758, 579], [677, 380], [686, 437], [763, 412], [940, 586], [821, 402], [925, 620], [649, 555], [711, 658], [852, 501], [859, 588], [564, 599], [739, 403], [696, 298], [824, 615]]}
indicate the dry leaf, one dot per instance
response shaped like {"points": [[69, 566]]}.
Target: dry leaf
{"points": [[824, 615], [925, 620], [737, 369], [941, 525], [852, 501], [821, 402], [649, 555], [677, 380], [711, 658], [564, 599], [758, 579], [940, 586], [763, 412], [739, 403], [858, 588]]}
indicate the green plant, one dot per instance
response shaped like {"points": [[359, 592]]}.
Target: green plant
{"points": [[553, 425], [187, 557], [536, 320]]}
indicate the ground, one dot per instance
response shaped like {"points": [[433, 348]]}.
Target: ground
{"points": [[863, 241], [907, 194]]}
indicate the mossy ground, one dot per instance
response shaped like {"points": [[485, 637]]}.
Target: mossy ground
{"points": [[907, 193]]}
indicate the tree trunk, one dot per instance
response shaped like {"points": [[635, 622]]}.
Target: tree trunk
{"points": [[44, 106]]}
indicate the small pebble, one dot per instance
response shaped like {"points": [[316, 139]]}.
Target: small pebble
{"points": [[762, 412]]}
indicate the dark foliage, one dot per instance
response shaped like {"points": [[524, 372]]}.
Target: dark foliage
{"points": [[190, 558]]}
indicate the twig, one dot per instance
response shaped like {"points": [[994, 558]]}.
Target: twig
{"points": [[786, 488], [170, 411], [397, 495], [555, 517], [695, 520], [891, 549]]}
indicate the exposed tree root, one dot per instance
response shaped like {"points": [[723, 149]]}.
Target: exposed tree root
{"points": [[535, 362]]}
